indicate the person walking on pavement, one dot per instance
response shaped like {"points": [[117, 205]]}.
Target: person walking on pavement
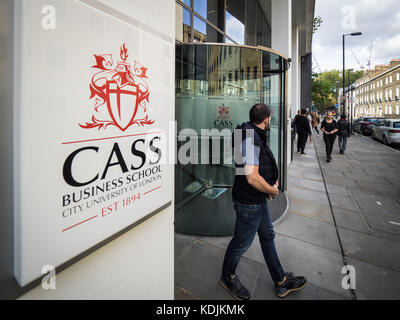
{"points": [[315, 122], [309, 118], [329, 128], [343, 133], [294, 121], [303, 131], [257, 181]]}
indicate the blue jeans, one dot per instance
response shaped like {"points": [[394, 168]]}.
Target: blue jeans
{"points": [[252, 218], [342, 143]]}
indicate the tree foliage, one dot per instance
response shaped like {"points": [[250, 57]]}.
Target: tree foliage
{"points": [[325, 87], [317, 23]]}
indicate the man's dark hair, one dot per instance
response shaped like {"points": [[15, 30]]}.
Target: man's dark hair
{"points": [[343, 116], [303, 111], [259, 112]]}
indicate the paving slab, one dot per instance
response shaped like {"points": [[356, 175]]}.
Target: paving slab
{"points": [[313, 176], [350, 220], [378, 187], [310, 195], [305, 164], [265, 290], [182, 243], [321, 266], [375, 283], [307, 184], [199, 272], [183, 294], [344, 202], [337, 190], [220, 242], [340, 181], [333, 173], [366, 178], [310, 209], [379, 251], [310, 230]]}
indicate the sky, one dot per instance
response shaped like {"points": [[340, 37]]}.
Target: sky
{"points": [[379, 22]]}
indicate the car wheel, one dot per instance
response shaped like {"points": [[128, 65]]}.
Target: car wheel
{"points": [[385, 141]]}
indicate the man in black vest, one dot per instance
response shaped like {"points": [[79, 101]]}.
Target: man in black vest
{"points": [[255, 180]]}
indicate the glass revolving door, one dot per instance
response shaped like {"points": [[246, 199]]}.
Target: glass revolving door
{"points": [[216, 85]]}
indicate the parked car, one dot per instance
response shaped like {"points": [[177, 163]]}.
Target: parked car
{"points": [[387, 131], [365, 125]]}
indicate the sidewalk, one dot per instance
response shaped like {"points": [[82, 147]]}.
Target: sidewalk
{"points": [[343, 212]]}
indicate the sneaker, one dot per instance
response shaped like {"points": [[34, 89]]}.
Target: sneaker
{"points": [[303, 153], [235, 288], [328, 160], [291, 284], [341, 151]]}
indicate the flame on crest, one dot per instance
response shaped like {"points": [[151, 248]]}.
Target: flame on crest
{"points": [[124, 52]]}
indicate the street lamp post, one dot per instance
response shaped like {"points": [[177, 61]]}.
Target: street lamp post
{"points": [[344, 65], [348, 99]]}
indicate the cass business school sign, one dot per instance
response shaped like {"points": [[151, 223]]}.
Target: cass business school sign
{"points": [[109, 180]]}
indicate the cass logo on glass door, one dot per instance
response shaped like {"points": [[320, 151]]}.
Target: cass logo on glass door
{"points": [[223, 119], [122, 90]]}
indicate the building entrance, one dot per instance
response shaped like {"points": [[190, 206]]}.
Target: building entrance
{"points": [[216, 85]]}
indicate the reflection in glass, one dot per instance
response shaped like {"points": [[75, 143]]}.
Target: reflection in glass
{"points": [[216, 85], [199, 34], [234, 28], [186, 25], [200, 6], [235, 19]]}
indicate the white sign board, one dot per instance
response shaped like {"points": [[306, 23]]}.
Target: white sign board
{"points": [[94, 94]]}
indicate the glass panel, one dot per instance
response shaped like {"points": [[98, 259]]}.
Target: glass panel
{"points": [[234, 28], [250, 27], [204, 32], [200, 6], [236, 9], [235, 19], [216, 14], [200, 30], [216, 85], [271, 91], [182, 25], [186, 25]]}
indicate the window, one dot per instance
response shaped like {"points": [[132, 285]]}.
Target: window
{"points": [[398, 76], [391, 79], [397, 109], [235, 20]]}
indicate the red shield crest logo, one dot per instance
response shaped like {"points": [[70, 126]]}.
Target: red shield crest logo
{"points": [[123, 89]]}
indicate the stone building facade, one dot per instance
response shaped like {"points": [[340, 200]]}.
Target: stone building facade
{"points": [[378, 92]]}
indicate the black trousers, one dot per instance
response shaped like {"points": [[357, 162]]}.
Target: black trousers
{"points": [[301, 142], [329, 142]]}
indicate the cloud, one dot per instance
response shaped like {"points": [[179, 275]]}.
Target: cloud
{"points": [[378, 20]]}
